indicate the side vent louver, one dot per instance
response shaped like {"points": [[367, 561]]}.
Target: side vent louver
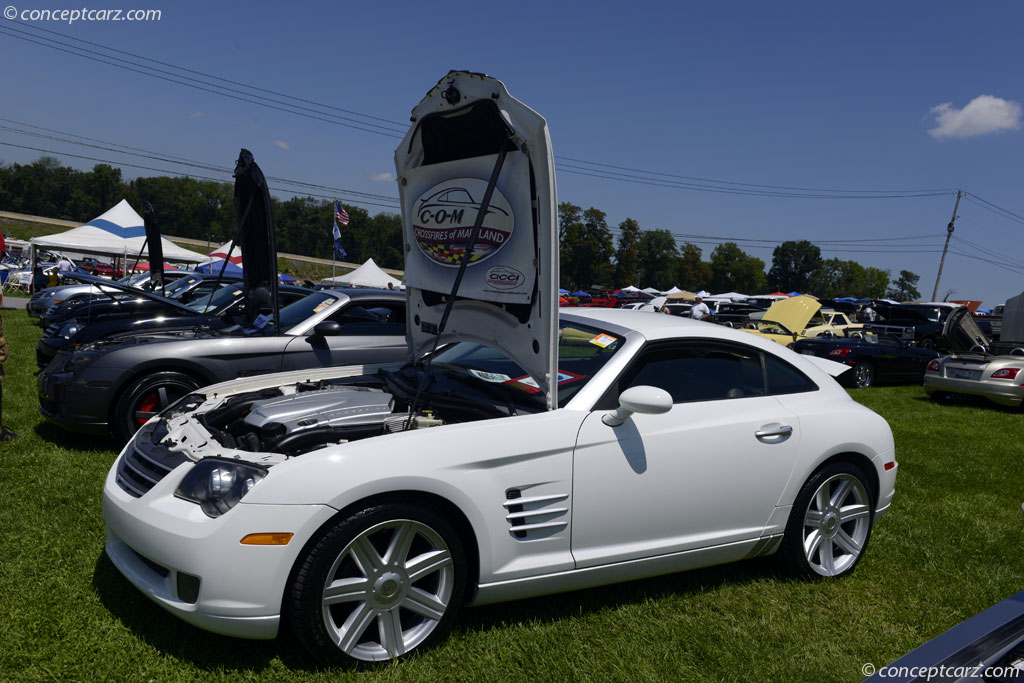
{"points": [[535, 517]]}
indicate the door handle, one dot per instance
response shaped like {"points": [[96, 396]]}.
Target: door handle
{"points": [[772, 431]]}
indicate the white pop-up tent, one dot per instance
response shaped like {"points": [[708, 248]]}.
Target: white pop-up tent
{"points": [[118, 232], [367, 275]]}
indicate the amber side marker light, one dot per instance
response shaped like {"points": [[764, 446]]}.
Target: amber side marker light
{"points": [[267, 539]]}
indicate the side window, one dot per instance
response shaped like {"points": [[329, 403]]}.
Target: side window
{"points": [[367, 317], [783, 378], [702, 371]]}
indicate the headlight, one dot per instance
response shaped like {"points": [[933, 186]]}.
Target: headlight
{"points": [[217, 485], [80, 360], [70, 330]]}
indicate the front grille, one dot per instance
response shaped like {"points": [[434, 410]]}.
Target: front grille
{"points": [[146, 462]]}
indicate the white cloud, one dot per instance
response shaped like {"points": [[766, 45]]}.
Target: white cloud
{"points": [[196, 115], [383, 177], [282, 144], [983, 115]]}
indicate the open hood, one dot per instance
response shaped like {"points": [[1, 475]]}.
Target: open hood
{"points": [[465, 130], [256, 234], [793, 313], [108, 285], [1013, 320], [962, 334]]}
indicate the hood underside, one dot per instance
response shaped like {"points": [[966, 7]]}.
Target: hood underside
{"points": [[471, 144], [793, 313]]}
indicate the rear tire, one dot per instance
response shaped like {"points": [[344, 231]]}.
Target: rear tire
{"points": [[830, 524], [862, 375], [146, 397]]}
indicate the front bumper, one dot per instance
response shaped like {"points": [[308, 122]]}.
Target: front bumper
{"points": [[67, 401], [160, 542], [1007, 393]]}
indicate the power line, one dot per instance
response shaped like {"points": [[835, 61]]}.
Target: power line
{"points": [[6, 30], [998, 210], [357, 202], [159, 156]]}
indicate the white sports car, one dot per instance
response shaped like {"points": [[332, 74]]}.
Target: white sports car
{"points": [[517, 454]]}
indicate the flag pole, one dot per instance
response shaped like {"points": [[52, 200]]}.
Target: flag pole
{"points": [[334, 252]]}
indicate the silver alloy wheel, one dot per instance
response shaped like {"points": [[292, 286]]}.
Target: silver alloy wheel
{"points": [[863, 375], [387, 590], [836, 524]]}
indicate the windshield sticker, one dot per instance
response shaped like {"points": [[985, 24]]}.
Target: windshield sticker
{"points": [[323, 305], [495, 377], [603, 340], [530, 386]]}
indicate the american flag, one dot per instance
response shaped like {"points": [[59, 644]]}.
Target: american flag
{"points": [[340, 214]]}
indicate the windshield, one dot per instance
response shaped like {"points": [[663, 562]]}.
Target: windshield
{"points": [[134, 280], [179, 285], [582, 351], [301, 310], [221, 298]]}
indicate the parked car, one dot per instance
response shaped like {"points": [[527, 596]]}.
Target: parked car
{"points": [[216, 310], [872, 357], [785, 320], [920, 322], [976, 368], [830, 322], [126, 302], [43, 299], [367, 504], [113, 385]]}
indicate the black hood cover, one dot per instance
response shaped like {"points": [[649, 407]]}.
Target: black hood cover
{"points": [[255, 234], [155, 247]]}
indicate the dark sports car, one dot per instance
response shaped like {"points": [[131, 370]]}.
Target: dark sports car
{"points": [[216, 310], [116, 384], [873, 357]]}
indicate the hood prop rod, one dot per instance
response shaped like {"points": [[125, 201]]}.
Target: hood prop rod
{"points": [[467, 255]]}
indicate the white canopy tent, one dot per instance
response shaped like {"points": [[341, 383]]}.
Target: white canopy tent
{"points": [[728, 296], [118, 232], [367, 275]]}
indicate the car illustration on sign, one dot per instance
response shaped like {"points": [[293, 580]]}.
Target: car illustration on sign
{"points": [[518, 454]]}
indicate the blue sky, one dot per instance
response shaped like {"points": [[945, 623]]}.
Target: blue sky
{"points": [[866, 97]]}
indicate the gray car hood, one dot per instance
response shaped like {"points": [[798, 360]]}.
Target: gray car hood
{"points": [[508, 297], [962, 334]]}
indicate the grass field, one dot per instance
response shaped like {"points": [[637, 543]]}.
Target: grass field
{"points": [[950, 547]]}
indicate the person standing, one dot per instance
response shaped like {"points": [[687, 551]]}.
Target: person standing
{"points": [[700, 310], [5, 433]]}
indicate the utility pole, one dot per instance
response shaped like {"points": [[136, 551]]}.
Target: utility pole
{"points": [[949, 234]]}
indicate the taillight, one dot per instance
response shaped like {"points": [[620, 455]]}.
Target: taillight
{"points": [[933, 366], [1006, 373], [842, 352]]}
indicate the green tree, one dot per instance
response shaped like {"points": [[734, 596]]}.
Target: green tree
{"points": [[734, 270], [838, 278], [691, 272], [794, 264], [586, 247], [658, 254], [627, 260], [905, 287]]}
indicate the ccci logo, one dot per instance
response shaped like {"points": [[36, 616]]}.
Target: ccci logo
{"points": [[504, 277]]}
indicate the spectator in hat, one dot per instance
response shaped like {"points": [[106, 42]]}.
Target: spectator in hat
{"points": [[699, 310]]}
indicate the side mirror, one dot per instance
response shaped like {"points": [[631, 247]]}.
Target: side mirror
{"points": [[328, 328], [641, 399]]}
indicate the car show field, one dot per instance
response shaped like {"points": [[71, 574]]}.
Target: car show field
{"points": [[948, 549]]}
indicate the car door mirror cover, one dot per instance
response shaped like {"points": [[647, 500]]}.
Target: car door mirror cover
{"points": [[640, 399]]}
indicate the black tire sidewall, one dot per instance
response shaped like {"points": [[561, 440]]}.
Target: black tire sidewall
{"points": [[123, 427], [303, 609], [791, 552]]}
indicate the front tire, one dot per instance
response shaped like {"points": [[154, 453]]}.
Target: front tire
{"points": [[380, 584], [830, 524], [146, 397]]}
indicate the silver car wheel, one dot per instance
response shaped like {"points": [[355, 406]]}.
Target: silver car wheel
{"points": [[387, 590], [836, 525], [863, 375]]}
